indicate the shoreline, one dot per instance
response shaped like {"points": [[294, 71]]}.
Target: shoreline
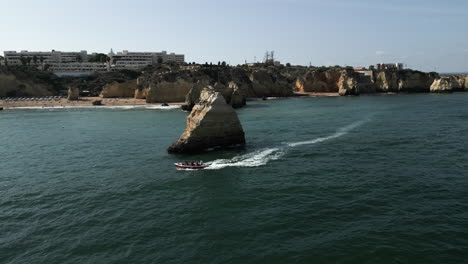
{"points": [[128, 102], [85, 102]]}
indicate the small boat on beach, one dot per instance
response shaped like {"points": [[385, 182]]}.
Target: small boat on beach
{"points": [[196, 165]]}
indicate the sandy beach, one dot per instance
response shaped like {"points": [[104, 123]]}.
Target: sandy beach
{"points": [[85, 101]]}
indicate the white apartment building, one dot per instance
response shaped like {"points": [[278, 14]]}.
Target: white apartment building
{"points": [[78, 67], [132, 60], [48, 57], [72, 63]]}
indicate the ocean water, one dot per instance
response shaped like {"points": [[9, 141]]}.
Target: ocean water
{"points": [[370, 179]]}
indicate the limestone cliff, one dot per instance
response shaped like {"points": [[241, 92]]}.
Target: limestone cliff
{"points": [[238, 95], [141, 93], [348, 84], [318, 82], [238, 83], [11, 85], [168, 91], [73, 93], [265, 83], [387, 81], [447, 84], [233, 95], [415, 81], [212, 123], [119, 89], [466, 84]]}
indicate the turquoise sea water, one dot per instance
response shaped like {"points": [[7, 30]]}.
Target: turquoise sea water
{"points": [[370, 179]]}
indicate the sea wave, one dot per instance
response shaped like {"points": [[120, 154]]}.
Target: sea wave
{"points": [[263, 156]]}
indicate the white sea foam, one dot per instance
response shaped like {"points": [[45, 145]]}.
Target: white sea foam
{"points": [[263, 156], [123, 107], [254, 159]]}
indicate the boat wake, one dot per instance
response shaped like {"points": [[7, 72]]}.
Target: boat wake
{"points": [[263, 156], [254, 159]]}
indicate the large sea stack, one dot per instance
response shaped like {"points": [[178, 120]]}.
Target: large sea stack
{"points": [[212, 123]]}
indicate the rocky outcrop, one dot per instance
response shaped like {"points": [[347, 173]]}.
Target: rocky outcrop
{"points": [[11, 85], [466, 84], [347, 84], [449, 84], [212, 123], [168, 91], [318, 82], [96, 102], [442, 85], [238, 96], [233, 95], [387, 81], [459, 83], [408, 81], [141, 93], [235, 84], [116, 89], [73, 93], [264, 83], [415, 81]]}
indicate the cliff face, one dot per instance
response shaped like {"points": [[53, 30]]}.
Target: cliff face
{"points": [[168, 91], [404, 81], [235, 84], [466, 84], [449, 84], [415, 82], [344, 82], [116, 89], [387, 81], [319, 82], [73, 94], [267, 83], [212, 123], [26, 82], [348, 83]]}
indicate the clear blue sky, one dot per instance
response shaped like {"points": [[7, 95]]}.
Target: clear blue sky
{"points": [[426, 35]]}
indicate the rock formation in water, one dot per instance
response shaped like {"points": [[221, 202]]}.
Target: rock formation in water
{"points": [[116, 89], [212, 123], [73, 93]]}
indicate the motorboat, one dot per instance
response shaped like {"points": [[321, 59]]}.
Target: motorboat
{"points": [[198, 165]]}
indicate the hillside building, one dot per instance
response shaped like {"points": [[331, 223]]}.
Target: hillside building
{"points": [[138, 60], [13, 58], [390, 66], [73, 63]]}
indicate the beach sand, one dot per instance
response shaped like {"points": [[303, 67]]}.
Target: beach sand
{"points": [[87, 101], [84, 101]]}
